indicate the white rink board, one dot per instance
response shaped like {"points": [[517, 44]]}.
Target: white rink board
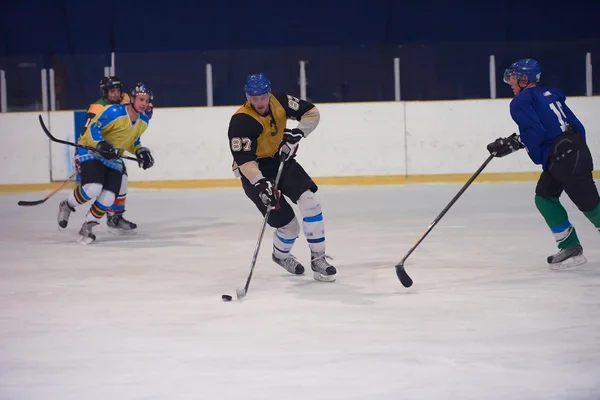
{"points": [[353, 139], [25, 155], [356, 140], [62, 126], [451, 137]]}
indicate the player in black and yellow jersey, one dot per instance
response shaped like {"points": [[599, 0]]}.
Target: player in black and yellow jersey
{"points": [[111, 92], [118, 126], [259, 141]]}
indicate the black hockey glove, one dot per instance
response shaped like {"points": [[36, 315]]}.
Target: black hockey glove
{"points": [[289, 144], [267, 193], [145, 159], [107, 150], [504, 146]]}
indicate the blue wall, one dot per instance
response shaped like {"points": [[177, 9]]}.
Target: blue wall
{"points": [[70, 26], [349, 49]]}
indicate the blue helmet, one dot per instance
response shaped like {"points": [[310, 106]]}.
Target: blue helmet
{"points": [[140, 88], [526, 67], [257, 85]]}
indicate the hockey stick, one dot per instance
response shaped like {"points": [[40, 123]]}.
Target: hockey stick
{"points": [[47, 132], [241, 293], [400, 270], [52, 193]]}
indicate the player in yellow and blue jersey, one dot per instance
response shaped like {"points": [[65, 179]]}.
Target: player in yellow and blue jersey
{"points": [[117, 128], [111, 92]]}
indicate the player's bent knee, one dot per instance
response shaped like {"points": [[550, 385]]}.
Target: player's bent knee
{"points": [[106, 198], [586, 205], [540, 201], [92, 190], [289, 231], [309, 204]]}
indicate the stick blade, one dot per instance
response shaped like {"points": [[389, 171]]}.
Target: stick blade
{"points": [[403, 276], [241, 293], [30, 203]]}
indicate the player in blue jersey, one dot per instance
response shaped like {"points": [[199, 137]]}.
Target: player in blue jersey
{"points": [[117, 127], [555, 139]]}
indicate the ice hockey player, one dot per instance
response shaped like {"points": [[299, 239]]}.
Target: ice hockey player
{"points": [[555, 139], [111, 91], [259, 141], [118, 127]]}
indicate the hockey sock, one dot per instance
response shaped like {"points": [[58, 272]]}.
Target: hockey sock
{"points": [[558, 221], [83, 194], [594, 216], [312, 221], [100, 206], [284, 239], [118, 207]]}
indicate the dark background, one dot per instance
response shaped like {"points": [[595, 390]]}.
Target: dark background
{"points": [[349, 47]]}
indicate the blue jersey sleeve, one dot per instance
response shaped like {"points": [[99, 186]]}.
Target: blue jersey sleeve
{"points": [[108, 116], [530, 127]]}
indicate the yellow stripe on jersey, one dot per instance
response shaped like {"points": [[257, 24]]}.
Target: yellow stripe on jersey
{"points": [[273, 126], [95, 108]]}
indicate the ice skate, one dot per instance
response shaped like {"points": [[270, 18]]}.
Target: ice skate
{"points": [[64, 211], [567, 259], [118, 225], [322, 270], [290, 264], [85, 233]]}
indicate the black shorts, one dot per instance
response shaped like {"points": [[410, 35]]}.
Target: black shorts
{"points": [[294, 181], [94, 171], [571, 174]]}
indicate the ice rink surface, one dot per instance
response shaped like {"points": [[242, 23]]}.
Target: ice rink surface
{"points": [[141, 317]]}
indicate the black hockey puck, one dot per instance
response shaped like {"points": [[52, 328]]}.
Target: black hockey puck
{"points": [[226, 297]]}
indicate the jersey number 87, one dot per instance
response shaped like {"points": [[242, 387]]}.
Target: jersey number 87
{"points": [[293, 102], [238, 144]]}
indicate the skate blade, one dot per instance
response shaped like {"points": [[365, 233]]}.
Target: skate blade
{"points": [[323, 278], [84, 240], [568, 264], [121, 232]]}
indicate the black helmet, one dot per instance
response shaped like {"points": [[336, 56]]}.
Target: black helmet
{"points": [[110, 82]]}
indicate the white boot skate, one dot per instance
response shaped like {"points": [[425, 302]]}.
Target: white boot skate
{"points": [[85, 233], [64, 212], [322, 270], [290, 264]]}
